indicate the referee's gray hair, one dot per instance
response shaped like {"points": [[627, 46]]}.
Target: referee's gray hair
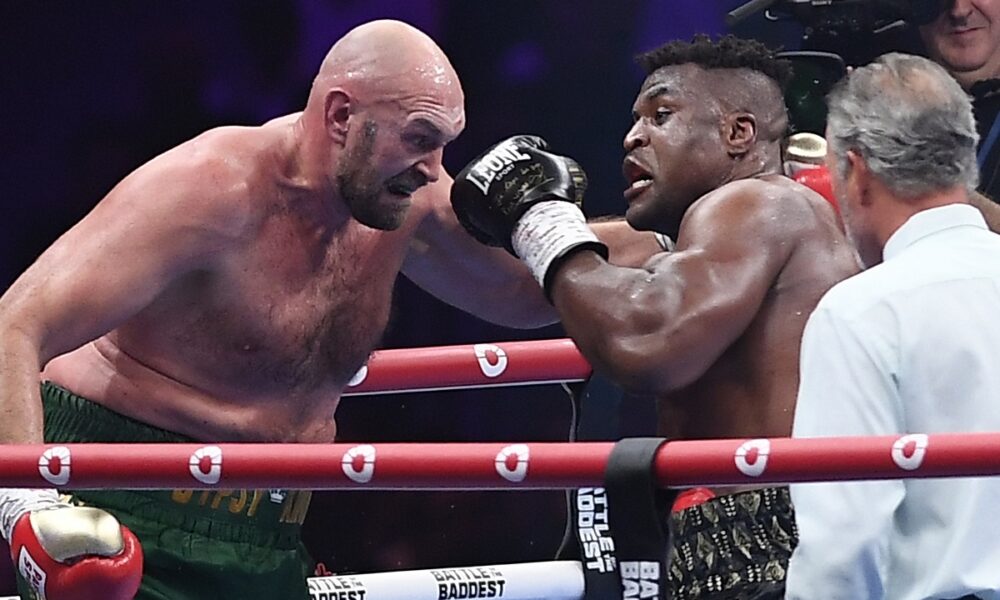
{"points": [[911, 123]]}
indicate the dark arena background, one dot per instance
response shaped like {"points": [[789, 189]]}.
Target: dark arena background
{"points": [[91, 90]]}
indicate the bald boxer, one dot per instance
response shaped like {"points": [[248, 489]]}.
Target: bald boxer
{"points": [[227, 291], [712, 329]]}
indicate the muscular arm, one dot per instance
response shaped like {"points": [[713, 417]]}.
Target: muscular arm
{"points": [[114, 262], [488, 282], [658, 328]]}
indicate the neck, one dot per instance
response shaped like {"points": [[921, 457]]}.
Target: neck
{"points": [[898, 210], [306, 170], [756, 163], [970, 78], [967, 79], [308, 153]]}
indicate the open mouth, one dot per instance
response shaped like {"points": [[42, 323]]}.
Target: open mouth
{"points": [[638, 177]]}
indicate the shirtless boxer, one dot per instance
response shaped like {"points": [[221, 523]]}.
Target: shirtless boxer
{"points": [[712, 329], [227, 291]]}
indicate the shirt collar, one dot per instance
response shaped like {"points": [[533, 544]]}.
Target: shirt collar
{"points": [[930, 221]]}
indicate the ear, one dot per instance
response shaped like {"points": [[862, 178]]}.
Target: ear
{"points": [[859, 178], [740, 132], [337, 113]]}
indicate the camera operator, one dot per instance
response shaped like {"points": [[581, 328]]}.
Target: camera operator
{"points": [[963, 36], [965, 40]]}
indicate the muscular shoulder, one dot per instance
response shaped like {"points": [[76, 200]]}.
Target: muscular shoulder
{"points": [[208, 179], [776, 214], [778, 207]]}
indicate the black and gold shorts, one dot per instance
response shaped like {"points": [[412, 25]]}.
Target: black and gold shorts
{"points": [[734, 547]]}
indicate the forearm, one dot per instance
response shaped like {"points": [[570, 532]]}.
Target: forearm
{"points": [[486, 282], [20, 401], [989, 208]]}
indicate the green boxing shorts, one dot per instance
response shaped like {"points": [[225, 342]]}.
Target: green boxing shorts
{"points": [[197, 544]]}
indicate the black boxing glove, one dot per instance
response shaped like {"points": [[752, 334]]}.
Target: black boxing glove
{"points": [[518, 196]]}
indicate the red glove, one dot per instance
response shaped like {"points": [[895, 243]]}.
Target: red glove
{"points": [[818, 180], [76, 553]]}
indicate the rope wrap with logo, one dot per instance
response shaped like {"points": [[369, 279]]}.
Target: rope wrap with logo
{"points": [[470, 366], [468, 466], [485, 466]]}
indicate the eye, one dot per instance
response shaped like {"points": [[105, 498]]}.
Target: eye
{"points": [[661, 115], [422, 142]]}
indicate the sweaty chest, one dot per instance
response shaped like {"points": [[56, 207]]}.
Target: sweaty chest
{"points": [[303, 311]]}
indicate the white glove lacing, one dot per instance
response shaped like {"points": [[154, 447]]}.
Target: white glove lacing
{"points": [[14, 502]]}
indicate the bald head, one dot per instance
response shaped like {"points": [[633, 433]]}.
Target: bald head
{"points": [[387, 60], [385, 103]]}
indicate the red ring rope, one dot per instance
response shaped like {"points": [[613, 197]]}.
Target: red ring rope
{"points": [[470, 366], [492, 465]]}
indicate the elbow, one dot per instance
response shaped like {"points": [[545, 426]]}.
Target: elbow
{"points": [[655, 362], [641, 367]]}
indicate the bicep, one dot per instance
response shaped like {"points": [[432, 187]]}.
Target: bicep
{"points": [[660, 327], [720, 275]]}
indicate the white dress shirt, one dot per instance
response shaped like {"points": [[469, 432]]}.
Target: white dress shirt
{"points": [[909, 346]]}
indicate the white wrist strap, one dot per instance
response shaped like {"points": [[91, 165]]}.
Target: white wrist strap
{"points": [[546, 232], [664, 241], [14, 502]]}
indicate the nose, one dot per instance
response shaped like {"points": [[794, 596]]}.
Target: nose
{"points": [[636, 137], [960, 9], [430, 167]]}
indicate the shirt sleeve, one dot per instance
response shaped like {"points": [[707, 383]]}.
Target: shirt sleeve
{"points": [[847, 387]]}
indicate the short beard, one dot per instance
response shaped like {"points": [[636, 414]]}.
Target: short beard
{"points": [[359, 184]]}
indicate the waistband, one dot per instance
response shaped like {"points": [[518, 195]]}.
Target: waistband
{"points": [[270, 518], [755, 504]]}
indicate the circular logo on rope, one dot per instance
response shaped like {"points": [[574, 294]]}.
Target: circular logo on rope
{"points": [[908, 451], [359, 377], [512, 462], [489, 368], [205, 464], [359, 463], [751, 457], [53, 465]]}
